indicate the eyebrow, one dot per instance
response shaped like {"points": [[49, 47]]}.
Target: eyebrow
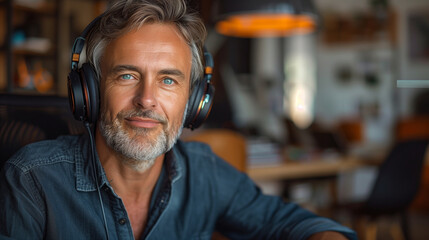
{"points": [[120, 68], [174, 72]]}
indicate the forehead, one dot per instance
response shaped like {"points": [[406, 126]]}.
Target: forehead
{"points": [[155, 42]]}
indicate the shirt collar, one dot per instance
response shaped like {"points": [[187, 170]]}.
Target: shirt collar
{"points": [[84, 167], [84, 170], [175, 161]]}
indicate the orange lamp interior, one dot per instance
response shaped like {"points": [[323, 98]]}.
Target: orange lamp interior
{"points": [[265, 25]]}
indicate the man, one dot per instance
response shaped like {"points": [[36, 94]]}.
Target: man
{"points": [[147, 56]]}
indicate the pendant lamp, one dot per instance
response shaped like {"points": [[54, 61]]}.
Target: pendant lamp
{"points": [[264, 18]]}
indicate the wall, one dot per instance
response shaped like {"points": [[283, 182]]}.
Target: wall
{"points": [[354, 99], [377, 106]]}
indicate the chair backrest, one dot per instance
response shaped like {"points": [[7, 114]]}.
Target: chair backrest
{"points": [[25, 119], [227, 144], [412, 127], [398, 178]]}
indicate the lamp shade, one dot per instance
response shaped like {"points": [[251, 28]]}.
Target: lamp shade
{"points": [[259, 18]]}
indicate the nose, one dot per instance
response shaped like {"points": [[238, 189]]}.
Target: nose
{"points": [[145, 96]]}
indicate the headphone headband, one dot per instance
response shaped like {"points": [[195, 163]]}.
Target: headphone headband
{"points": [[79, 42]]}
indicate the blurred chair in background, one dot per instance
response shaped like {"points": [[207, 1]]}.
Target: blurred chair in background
{"points": [[395, 187], [227, 144], [25, 119], [412, 127], [417, 127]]}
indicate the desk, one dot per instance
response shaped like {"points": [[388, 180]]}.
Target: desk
{"points": [[321, 173], [311, 169]]}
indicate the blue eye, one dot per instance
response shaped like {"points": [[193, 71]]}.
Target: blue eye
{"points": [[168, 81], [127, 76]]}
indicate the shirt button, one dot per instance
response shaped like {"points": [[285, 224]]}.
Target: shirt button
{"points": [[122, 221]]}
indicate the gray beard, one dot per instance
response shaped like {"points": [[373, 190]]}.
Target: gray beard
{"points": [[139, 155]]}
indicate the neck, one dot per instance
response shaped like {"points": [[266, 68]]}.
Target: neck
{"points": [[126, 181]]}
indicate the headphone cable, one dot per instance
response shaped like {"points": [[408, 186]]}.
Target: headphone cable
{"points": [[95, 174]]}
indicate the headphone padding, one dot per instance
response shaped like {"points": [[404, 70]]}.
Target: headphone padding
{"points": [[194, 102], [76, 95], [91, 80]]}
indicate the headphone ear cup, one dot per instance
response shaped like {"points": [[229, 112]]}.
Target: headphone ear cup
{"points": [[205, 107], [200, 104], [76, 95], [83, 93], [193, 103], [91, 89]]}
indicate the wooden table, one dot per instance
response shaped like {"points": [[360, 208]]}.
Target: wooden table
{"points": [[308, 169]]}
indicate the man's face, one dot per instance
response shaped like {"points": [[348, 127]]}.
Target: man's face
{"points": [[144, 90]]}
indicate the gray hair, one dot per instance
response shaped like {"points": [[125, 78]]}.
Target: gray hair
{"points": [[126, 15]]}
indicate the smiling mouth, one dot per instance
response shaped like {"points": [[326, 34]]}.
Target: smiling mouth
{"points": [[141, 122]]}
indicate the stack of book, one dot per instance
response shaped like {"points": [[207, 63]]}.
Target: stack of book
{"points": [[262, 152]]}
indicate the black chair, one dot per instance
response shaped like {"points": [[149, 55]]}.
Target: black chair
{"points": [[395, 187], [26, 118]]}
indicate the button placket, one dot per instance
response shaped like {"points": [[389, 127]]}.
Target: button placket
{"points": [[122, 221]]}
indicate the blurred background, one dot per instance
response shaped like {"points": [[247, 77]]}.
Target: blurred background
{"points": [[310, 86]]}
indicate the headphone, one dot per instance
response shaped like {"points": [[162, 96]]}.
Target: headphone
{"points": [[83, 87]]}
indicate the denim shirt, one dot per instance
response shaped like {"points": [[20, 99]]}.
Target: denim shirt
{"points": [[48, 192]]}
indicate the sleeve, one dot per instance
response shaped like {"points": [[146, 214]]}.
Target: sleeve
{"points": [[21, 215], [249, 214]]}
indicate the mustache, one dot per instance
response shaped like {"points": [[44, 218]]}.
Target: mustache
{"points": [[143, 114]]}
